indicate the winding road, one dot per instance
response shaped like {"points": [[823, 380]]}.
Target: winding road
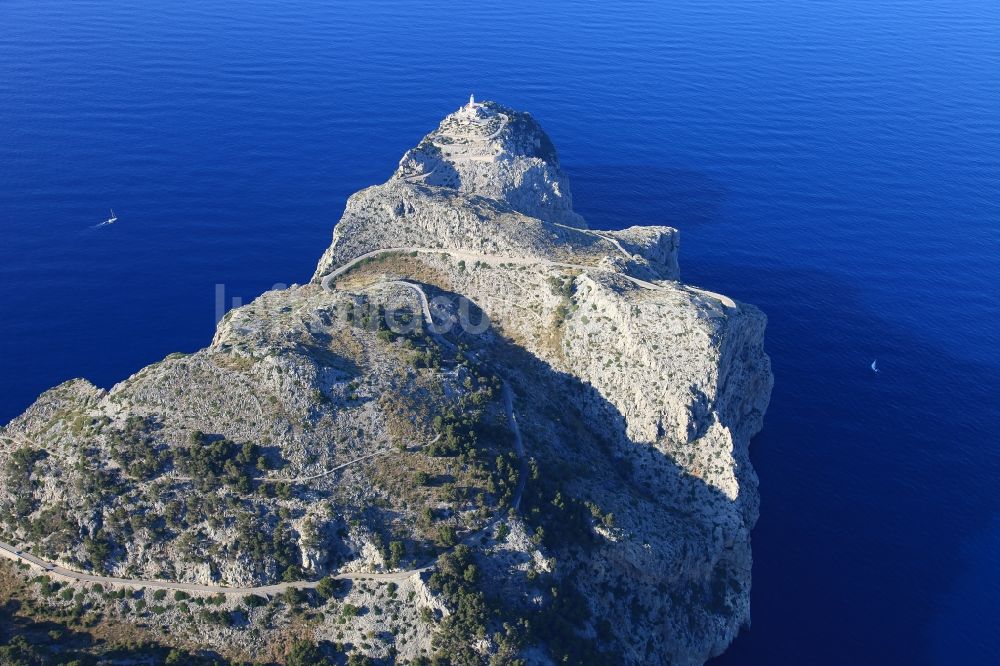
{"points": [[328, 280], [425, 306], [69, 575], [597, 234], [328, 472], [508, 397]]}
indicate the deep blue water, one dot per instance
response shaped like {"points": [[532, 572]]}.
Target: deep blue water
{"points": [[835, 162]]}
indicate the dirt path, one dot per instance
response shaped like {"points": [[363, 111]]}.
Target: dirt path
{"points": [[329, 279], [62, 573]]}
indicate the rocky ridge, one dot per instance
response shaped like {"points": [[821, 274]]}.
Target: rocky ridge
{"points": [[634, 396]]}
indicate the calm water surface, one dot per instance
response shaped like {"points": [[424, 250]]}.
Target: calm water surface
{"points": [[836, 163]]}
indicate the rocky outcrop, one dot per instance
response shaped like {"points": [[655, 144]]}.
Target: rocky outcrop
{"points": [[682, 370], [498, 153], [332, 427]]}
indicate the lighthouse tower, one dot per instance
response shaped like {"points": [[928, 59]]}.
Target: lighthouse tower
{"points": [[473, 109]]}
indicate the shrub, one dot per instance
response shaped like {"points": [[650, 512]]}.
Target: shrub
{"points": [[175, 657], [305, 653], [254, 601], [359, 659], [18, 651], [396, 553], [217, 617], [327, 587], [206, 462], [294, 596], [470, 614], [502, 531], [447, 536]]}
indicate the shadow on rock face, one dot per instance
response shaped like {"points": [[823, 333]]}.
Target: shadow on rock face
{"points": [[674, 575]]}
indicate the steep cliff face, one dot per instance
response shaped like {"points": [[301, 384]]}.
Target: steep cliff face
{"points": [[472, 374]]}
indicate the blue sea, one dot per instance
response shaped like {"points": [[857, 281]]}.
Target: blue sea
{"points": [[835, 162]]}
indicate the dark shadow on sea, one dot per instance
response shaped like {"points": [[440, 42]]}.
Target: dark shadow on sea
{"points": [[871, 485]]}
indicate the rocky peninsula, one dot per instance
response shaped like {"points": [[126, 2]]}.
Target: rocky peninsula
{"points": [[483, 432]]}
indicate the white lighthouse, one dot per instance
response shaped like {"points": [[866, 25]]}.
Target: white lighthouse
{"points": [[475, 112], [473, 109]]}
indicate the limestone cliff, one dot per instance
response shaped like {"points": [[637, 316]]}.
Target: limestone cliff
{"points": [[472, 375]]}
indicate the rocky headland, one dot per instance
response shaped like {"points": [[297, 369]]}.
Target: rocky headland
{"points": [[482, 432]]}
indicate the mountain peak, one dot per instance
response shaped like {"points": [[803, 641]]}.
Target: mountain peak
{"points": [[487, 149]]}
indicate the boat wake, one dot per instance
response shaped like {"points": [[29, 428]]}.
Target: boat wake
{"points": [[108, 222]]}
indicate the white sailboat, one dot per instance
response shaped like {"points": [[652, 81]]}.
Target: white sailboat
{"points": [[875, 366]]}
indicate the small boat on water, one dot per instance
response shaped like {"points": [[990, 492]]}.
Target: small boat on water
{"points": [[112, 219], [875, 366]]}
